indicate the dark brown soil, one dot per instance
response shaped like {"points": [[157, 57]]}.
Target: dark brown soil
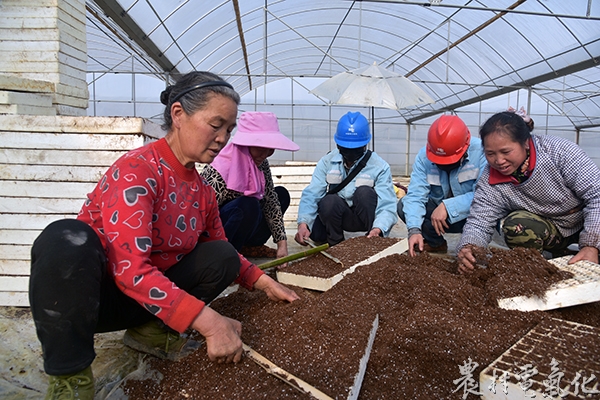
{"points": [[518, 272], [349, 252], [432, 320]]}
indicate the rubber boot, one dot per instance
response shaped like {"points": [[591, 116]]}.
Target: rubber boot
{"points": [[159, 340], [78, 386]]}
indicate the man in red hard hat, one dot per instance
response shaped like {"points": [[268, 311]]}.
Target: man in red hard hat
{"points": [[441, 185]]}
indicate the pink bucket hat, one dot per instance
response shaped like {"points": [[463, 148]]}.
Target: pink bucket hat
{"points": [[260, 129]]}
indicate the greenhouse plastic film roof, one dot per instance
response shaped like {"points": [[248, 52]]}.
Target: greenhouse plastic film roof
{"points": [[459, 52]]}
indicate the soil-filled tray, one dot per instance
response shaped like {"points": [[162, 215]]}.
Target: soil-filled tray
{"points": [[319, 272], [432, 320], [556, 359], [518, 272], [582, 287], [322, 340]]}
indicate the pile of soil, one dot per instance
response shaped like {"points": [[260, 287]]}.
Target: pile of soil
{"points": [[431, 321], [350, 252], [261, 251], [510, 273]]}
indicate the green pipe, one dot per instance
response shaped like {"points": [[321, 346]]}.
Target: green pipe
{"points": [[293, 257]]}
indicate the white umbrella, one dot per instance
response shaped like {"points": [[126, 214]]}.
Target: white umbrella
{"points": [[372, 86]]}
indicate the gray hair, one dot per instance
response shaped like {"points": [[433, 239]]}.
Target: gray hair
{"points": [[193, 91]]}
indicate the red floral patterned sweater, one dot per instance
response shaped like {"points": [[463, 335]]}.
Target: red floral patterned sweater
{"points": [[150, 211]]}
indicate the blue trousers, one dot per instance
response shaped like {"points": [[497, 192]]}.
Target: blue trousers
{"points": [[244, 221], [335, 216], [430, 236]]}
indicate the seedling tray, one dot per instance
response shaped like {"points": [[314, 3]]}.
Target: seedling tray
{"points": [[582, 288], [562, 354], [324, 284], [305, 387]]}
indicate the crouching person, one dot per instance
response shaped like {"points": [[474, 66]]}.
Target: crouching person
{"points": [[147, 252]]}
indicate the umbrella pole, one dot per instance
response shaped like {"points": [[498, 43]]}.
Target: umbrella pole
{"points": [[373, 126]]}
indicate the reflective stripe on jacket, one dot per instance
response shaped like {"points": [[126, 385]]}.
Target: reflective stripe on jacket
{"points": [[330, 171], [427, 181]]}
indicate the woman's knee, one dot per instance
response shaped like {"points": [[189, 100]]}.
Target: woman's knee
{"points": [[210, 264], [67, 244], [400, 210], [229, 260], [524, 229], [284, 197], [249, 205]]}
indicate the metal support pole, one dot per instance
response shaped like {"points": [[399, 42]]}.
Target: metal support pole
{"points": [[407, 150], [292, 91]]}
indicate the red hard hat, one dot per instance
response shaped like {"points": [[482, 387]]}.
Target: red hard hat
{"points": [[448, 139]]}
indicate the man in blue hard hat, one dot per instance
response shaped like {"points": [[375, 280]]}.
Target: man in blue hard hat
{"points": [[351, 189]]}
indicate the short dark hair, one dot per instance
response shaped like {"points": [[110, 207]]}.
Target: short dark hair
{"points": [[508, 123], [193, 100]]}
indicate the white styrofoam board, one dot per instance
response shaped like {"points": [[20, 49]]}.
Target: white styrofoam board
{"points": [[13, 82], [358, 380], [46, 190], [14, 299], [583, 288], [53, 75], [30, 35], [39, 18], [15, 252], [49, 173], [72, 141], [15, 267], [37, 61], [28, 99], [23, 109], [513, 390], [31, 221], [287, 170], [59, 157], [6, 45], [75, 91], [71, 101], [14, 283], [36, 205], [68, 124], [62, 109], [324, 284]]}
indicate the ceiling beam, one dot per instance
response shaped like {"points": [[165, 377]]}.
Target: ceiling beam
{"points": [[238, 20], [465, 37], [590, 63], [114, 10]]}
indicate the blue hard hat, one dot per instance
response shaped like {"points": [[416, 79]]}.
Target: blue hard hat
{"points": [[352, 131]]}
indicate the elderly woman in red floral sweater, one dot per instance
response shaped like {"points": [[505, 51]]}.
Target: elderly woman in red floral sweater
{"points": [[147, 252]]}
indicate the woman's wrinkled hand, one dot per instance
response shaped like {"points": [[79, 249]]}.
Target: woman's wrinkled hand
{"points": [[466, 260], [587, 253], [275, 290], [222, 334]]}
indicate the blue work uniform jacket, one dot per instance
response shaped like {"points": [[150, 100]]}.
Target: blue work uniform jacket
{"points": [[427, 181], [330, 171]]}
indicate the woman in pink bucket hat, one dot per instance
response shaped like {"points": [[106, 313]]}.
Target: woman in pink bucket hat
{"points": [[251, 207]]}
